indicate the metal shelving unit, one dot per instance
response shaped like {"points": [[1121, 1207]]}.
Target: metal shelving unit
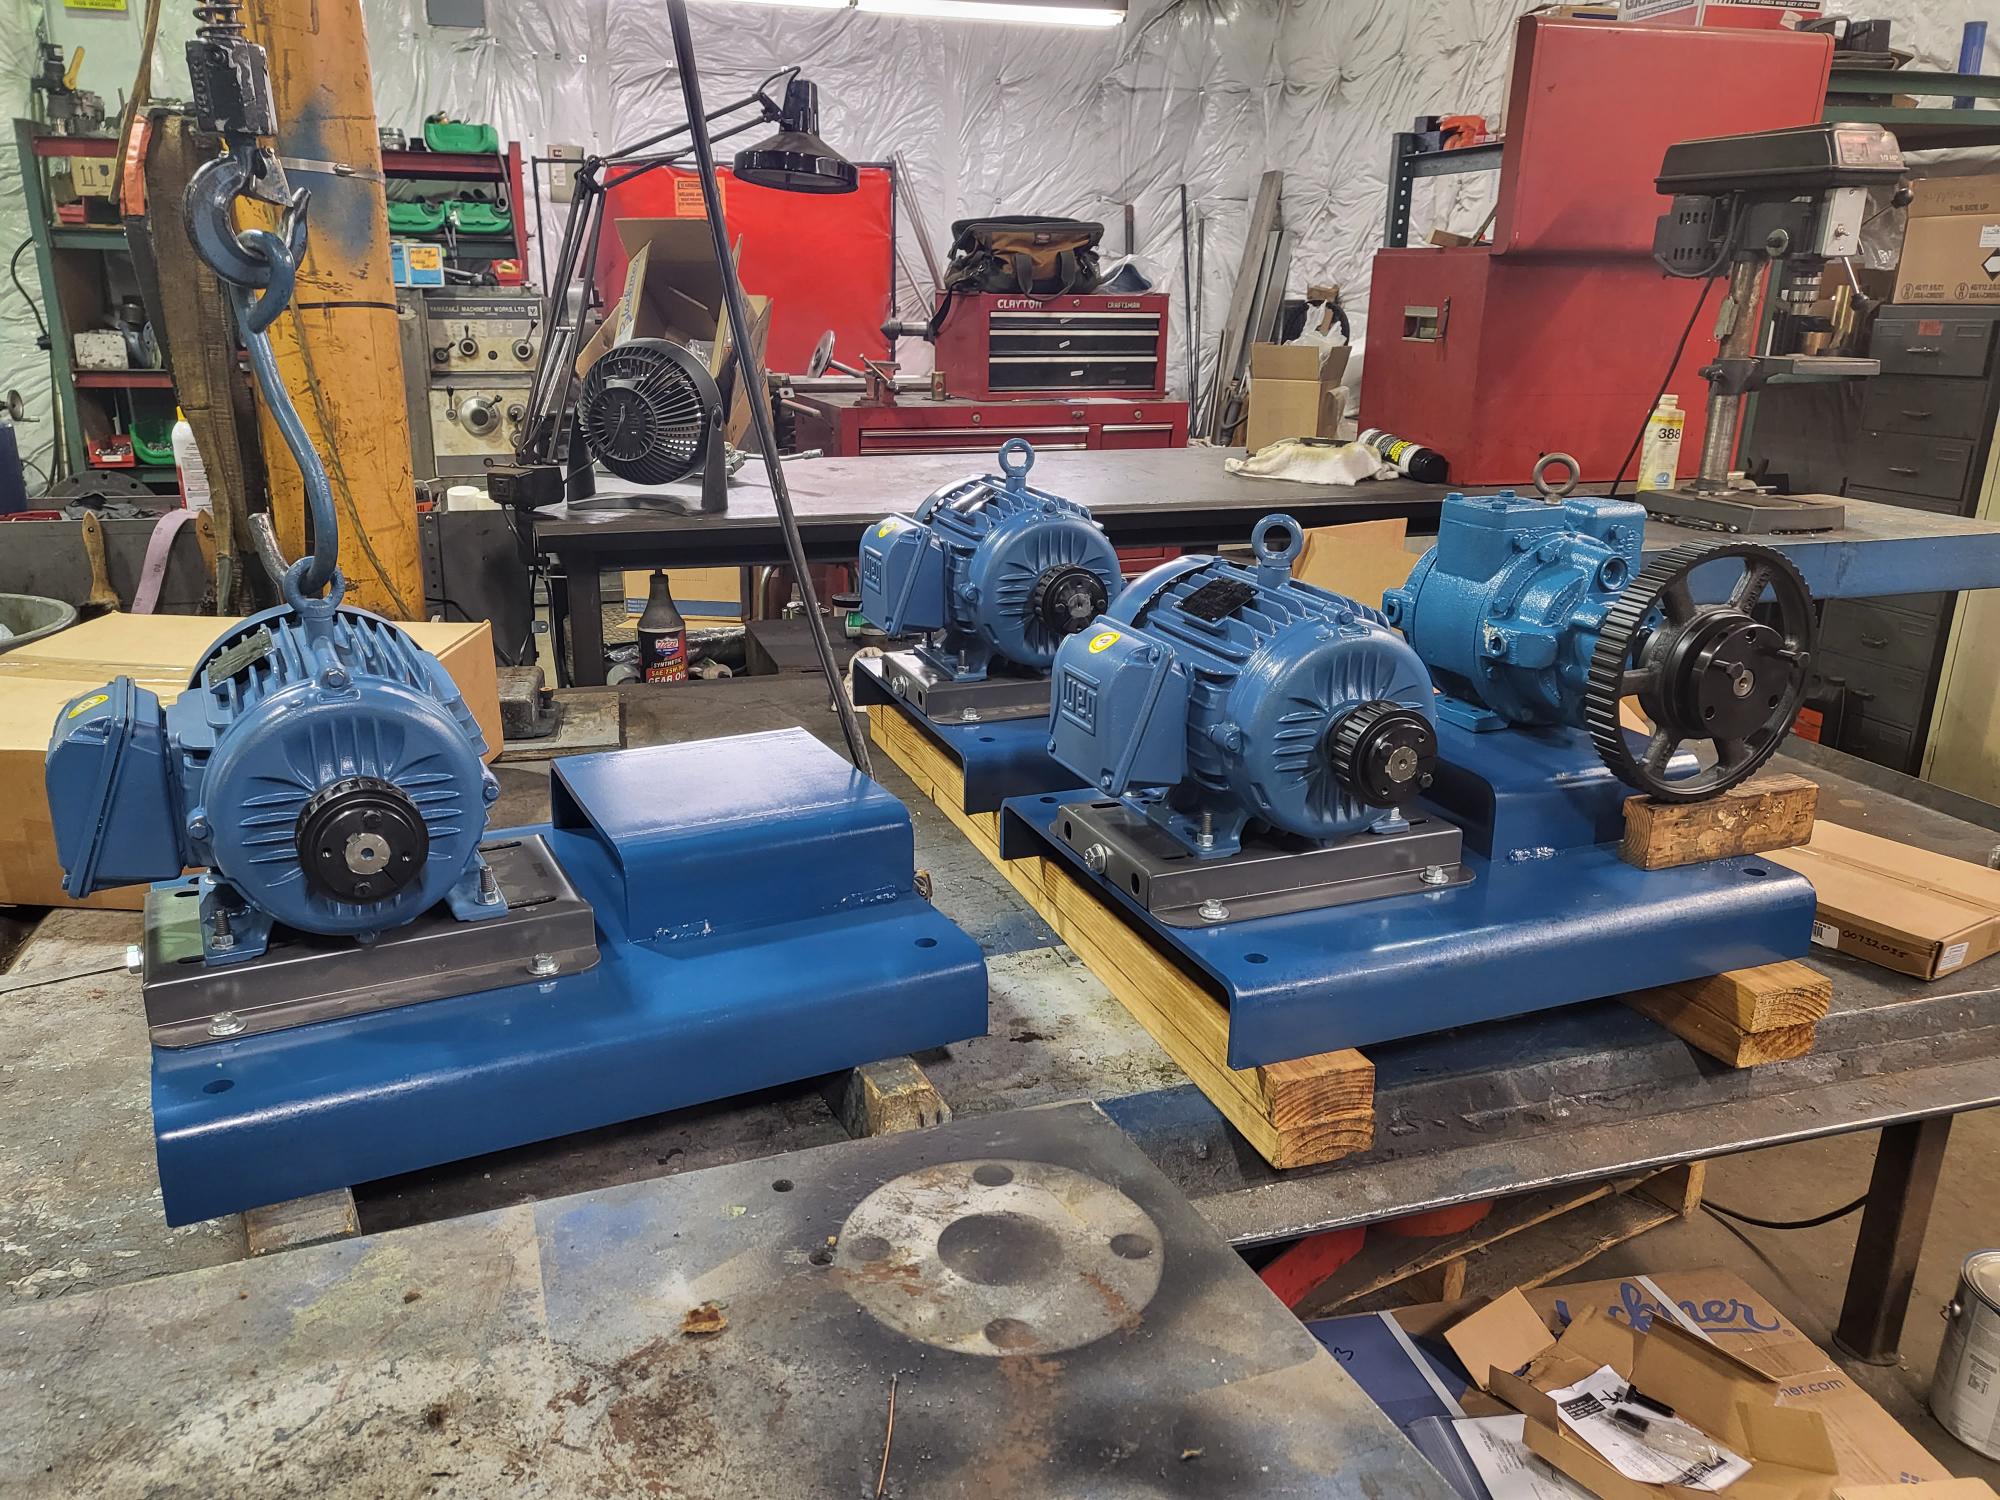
{"points": [[1850, 92], [501, 169]]}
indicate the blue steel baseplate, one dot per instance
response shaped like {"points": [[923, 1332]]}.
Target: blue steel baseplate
{"points": [[832, 961], [1007, 758], [1578, 924]]}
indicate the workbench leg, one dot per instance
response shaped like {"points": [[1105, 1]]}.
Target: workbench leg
{"points": [[586, 620], [1884, 1268]]}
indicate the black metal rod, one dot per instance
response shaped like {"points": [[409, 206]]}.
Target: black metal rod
{"points": [[755, 385]]}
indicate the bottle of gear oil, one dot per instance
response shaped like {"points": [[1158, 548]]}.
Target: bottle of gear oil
{"points": [[1660, 452], [1425, 465], [663, 636]]}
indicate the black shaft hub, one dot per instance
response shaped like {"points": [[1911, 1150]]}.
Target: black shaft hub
{"points": [[1383, 752], [1731, 674], [361, 839], [1067, 598]]}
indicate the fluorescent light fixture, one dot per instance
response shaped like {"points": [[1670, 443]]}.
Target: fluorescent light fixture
{"points": [[1016, 11]]}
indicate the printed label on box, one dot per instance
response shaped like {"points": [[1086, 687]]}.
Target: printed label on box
{"points": [[1952, 957], [1989, 236], [1828, 936]]}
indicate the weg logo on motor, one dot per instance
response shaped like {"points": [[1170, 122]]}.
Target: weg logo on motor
{"points": [[1076, 699]]}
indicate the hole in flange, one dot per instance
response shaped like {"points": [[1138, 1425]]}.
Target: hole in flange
{"points": [[218, 1086], [926, 942], [191, 958], [782, 1185], [992, 1174], [1135, 885], [821, 1257], [986, 739], [1048, 799], [1255, 958], [1009, 1333], [187, 890], [1066, 828], [1708, 713], [1131, 1246], [1772, 701], [1103, 805], [1756, 872]]}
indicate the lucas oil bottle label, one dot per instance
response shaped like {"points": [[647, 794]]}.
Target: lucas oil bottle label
{"points": [[663, 655]]}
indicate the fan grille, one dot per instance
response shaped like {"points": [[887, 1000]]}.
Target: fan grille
{"points": [[646, 409]]}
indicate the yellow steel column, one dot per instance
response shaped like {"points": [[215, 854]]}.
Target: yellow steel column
{"points": [[337, 343]]}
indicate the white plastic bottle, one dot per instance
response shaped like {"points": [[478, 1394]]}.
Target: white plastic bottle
{"points": [[193, 473], [1660, 453]]}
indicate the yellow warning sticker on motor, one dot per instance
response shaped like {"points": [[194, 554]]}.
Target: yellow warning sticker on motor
{"points": [[885, 528], [1104, 640], [85, 705]]}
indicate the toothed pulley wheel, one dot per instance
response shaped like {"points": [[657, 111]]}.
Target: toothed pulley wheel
{"points": [[1385, 753], [1731, 674], [1066, 599]]}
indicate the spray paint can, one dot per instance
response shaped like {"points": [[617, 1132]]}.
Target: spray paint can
{"points": [[1425, 465], [663, 636], [1965, 1388]]}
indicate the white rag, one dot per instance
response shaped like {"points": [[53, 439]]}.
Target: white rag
{"points": [[1311, 463]]}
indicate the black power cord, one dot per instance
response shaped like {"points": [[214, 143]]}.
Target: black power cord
{"points": [[1666, 380], [1813, 1223]]}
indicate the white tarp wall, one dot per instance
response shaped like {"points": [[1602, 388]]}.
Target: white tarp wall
{"points": [[988, 117]]}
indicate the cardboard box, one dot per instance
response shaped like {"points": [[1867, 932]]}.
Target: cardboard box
{"points": [[706, 596], [673, 290], [1951, 249], [1293, 393], [1868, 1445], [1359, 560], [158, 652], [93, 176], [1904, 908]]}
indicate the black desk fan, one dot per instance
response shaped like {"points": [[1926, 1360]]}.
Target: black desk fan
{"points": [[649, 412]]}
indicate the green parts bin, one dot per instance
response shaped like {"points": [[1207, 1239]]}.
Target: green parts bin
{"points": [[473, 216], [416, 217], [460, 137]]}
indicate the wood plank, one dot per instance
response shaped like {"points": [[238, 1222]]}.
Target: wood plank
{"points": [[1720, 1037], [1298, 1113], [889, 1097], [1765, 812], [1444, 1283], [1764, 998], [299, 1222], [1555, 1249], [1678, 1188]]}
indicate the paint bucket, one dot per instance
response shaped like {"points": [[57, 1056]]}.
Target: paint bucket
{"points": [[1965, 1390]]}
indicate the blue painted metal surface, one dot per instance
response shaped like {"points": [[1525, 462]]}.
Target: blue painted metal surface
{"points": [[1506, 608], [1208, 695], [974, 564], [279, 708], [1007, 758], [757, 923], [1551, 917]]}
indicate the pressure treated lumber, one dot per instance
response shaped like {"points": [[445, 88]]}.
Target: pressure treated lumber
{"points": [[1765, 812]]}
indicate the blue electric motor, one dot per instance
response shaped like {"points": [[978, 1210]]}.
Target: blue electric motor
{"points": [[1541, 615], [320, 764], [1001, 571], [1213, 696]]}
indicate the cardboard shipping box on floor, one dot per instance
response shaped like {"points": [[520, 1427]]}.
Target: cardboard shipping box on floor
{"points": [[158, 652], [1868, 1445], [1895, 905], [1293, 393], [1951, 249]]}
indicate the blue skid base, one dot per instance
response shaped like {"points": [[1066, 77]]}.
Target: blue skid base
{"points": [[1553, 920], [1007, 758], [757, 925]]}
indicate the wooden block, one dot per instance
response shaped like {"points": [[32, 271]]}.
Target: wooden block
{"points": [[1765, 998], [1298, 1113], [1441, 1283], [888, 1097], [301, 1222], [1765, 812], [1720, 1037], [1679, 1188]]}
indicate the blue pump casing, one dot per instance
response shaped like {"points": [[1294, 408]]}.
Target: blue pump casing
{"points": [[1505, 609], [298, 701], [1208, 718], [988, 565]]}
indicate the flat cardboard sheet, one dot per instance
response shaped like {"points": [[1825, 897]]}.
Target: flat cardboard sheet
{"points": [[1361, 559], [1896, 905], [157, 652]]}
